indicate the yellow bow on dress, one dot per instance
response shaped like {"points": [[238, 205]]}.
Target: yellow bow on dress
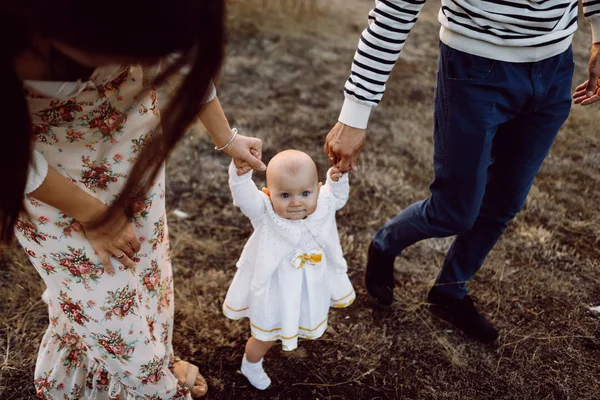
{"points": [[313, 258]]}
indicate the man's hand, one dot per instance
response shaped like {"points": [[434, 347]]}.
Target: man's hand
{"points": [[589, 91], [343, 145]]}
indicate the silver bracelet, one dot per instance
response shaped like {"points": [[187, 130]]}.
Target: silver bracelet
{"points": [[235, 132]]}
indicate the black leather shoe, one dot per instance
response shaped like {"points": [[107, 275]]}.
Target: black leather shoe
{"points": [[462, 314], [379, 277]]}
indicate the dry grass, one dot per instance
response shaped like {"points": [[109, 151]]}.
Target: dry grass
{"points": [[282, 82]]}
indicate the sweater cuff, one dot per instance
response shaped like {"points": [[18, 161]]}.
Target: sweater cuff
{"points": [[595, 25], [38, 169], [355, 114]]}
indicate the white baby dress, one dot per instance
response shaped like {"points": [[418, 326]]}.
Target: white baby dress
{"points": [[290, 272]]}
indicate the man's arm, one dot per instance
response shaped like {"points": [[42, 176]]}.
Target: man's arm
{"points": [[378, 50]]}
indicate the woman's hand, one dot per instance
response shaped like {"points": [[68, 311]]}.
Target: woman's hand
{"points": [[246, 153], [245, 150], [113, 237]]}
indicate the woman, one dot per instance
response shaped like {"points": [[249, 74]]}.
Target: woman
{"points": [[78, 78]]}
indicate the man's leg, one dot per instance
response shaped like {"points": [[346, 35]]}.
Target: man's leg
{"points": [[469, 107], [518, 150]]}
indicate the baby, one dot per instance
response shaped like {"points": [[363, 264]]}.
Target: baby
{"points": [[292, 268]]}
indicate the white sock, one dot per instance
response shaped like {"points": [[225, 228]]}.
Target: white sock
{"points": [[255, 373]]}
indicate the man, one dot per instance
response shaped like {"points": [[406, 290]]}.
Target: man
{"points": [[503, 92]]}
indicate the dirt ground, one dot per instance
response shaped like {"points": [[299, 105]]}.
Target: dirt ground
{"points": [[283, 81]]}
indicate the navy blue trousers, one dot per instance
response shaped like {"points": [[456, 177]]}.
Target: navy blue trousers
{"points": [[494, 123]]}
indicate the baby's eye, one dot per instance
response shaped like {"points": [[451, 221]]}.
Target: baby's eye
{"points": [[285, 195], [305, 193]]}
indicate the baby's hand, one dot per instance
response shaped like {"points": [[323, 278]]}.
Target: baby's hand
{"points": [[242, 166], [335, 174]]}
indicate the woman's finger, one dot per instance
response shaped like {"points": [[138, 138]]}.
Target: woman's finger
{"points": [[128, 263], [105, 260], [257, 148], [133, 242], [124, 246], [122, 257], [255, 162], [135, 245]]}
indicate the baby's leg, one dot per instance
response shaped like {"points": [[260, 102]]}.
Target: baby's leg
{"points": [[256, 349], [252, 363]]}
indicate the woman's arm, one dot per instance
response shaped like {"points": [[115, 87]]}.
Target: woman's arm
{"points": [[114, 237], [247, 151], [59, 192]]}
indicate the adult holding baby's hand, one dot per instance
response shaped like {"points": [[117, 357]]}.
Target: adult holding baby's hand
{"points": [[83, 183], [502, 93]]}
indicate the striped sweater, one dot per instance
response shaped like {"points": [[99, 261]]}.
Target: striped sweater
{"points": [[505, 30]]}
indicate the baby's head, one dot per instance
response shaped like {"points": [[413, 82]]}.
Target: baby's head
{"points": [[292, 184]]}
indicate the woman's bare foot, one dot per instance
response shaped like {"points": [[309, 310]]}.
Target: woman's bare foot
{"points": [[188, 376]]}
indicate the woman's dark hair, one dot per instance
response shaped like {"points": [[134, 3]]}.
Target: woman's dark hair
{"points": [[144, 29]]}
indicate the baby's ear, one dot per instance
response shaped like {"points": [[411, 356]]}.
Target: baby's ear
{"points": [[266, 191], [320, 184]]}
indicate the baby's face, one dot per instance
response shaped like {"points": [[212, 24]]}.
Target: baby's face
{"points": [[294, 195]]}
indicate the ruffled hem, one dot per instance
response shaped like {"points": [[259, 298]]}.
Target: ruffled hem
{"points": [[67, 373]]}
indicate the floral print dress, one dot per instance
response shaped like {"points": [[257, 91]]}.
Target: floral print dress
{"points": [[109, 337]]}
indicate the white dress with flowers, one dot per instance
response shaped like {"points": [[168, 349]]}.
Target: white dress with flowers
{"points": [[109, 337]]}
